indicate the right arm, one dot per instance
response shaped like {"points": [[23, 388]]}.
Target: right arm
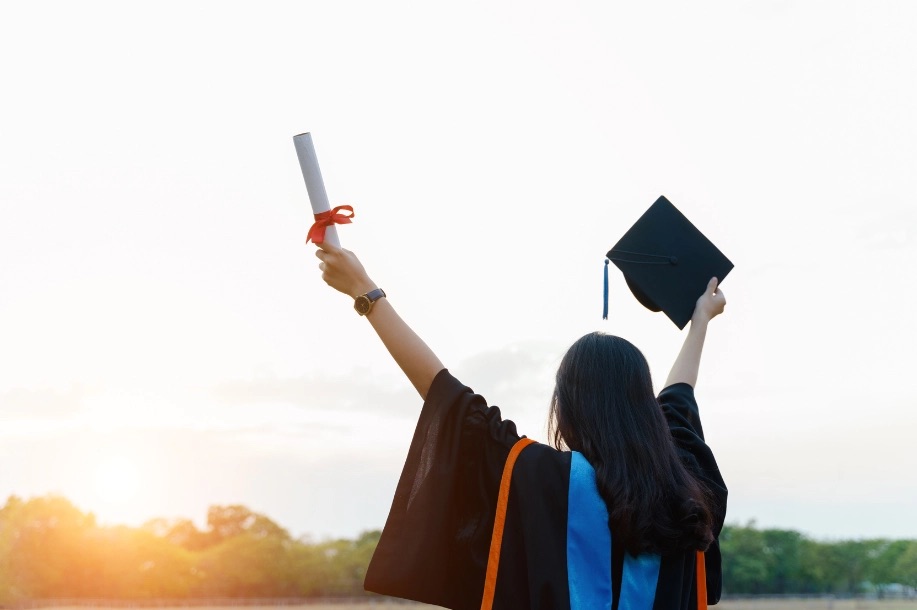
{"points": [[686, 366], [342, 270]]}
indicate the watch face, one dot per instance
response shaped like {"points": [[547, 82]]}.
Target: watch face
{"points": [[362, 305]]}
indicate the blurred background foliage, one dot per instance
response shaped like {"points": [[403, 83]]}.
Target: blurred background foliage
{"points": [[51, 549]]}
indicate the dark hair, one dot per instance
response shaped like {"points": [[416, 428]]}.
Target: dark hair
{"points": [[604, 407]]}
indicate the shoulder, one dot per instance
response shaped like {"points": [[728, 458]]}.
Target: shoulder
{"points": [[445, 387], [678, 393], [451, 404], [538, 455], [539, 463], [541, 483], [448, 394], [679, 406]]}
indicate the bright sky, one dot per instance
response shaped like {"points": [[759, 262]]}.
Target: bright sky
{"points": [[166, 341]]}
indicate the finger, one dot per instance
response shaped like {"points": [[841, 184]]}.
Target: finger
{"points": [[320, 254], [328, 247], [711, 285], [321, 267]]}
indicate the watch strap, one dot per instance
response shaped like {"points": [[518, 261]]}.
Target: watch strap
{"points": [[375, 295]]}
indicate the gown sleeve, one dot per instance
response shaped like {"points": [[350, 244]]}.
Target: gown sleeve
{"points": [[436, 540], [683, 416]]}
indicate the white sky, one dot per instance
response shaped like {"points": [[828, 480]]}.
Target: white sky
{"points": [[166, 342]]}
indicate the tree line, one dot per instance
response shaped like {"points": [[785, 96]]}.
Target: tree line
{"points": [[51, 549], [780, 562]]}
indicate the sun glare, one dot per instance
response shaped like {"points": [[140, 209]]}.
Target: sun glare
{"points": [[117, 481]]}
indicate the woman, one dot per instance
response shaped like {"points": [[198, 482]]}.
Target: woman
{"points": [[623, 513]]}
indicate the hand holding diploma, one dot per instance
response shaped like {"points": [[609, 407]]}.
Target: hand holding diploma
{"points": [[343, 271], [325, 218]]}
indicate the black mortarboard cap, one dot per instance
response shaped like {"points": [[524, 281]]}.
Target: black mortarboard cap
{"points": [[667, 262]]}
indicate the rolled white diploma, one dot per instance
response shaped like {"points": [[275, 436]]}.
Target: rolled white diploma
{"points": [[308, 163]]}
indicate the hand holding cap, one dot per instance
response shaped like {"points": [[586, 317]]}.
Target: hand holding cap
{"points": [[667, 262]]}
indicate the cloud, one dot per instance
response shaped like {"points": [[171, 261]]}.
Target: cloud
{"points": [[519, 378], [515, 366], [518, 374], [891, 230], [312, 479], [355, 393], [43, 403]]}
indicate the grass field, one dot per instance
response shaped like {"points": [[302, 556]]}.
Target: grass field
{"points": [[744, 604], [816, 604]]}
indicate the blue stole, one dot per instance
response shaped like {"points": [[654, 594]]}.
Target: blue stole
{"points": [[589, 550]]}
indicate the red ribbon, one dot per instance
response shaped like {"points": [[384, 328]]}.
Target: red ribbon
{"points": [[326, 219]]}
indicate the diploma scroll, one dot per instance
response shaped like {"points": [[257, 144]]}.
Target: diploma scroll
{"points": [[308, 163]]}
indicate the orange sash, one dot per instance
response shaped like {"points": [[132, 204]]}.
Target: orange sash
{"points": [[701, 581], [496, 541]]}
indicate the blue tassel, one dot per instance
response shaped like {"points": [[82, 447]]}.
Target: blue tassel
{"points": [[605, 308]]}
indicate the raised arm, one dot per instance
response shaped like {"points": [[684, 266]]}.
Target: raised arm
{"points": [[342, 270], [709, 305]]}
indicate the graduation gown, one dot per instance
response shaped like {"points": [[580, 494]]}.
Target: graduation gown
{"points": [[555, 550]]}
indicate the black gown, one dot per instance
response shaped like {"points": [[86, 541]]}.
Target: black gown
{"points": [[556, 549]]}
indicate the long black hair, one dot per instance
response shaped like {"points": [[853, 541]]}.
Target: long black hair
{"points": [[604, 407]]}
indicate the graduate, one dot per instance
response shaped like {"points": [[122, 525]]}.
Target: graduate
{"points": [[623, 512]]}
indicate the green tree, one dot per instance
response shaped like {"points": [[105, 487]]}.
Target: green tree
{"points": [[129, 563], [315, 576], [10, 591], [248, 554], [849, 558], [783, 559], [348, 561], [225, 522], [43, 541], [248, 565], [883, 558], [744, 561], [905, 570], [816, 573], [180, 532]]}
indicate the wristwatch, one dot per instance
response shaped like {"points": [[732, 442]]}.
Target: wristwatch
{"points": [[364, 303]]}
